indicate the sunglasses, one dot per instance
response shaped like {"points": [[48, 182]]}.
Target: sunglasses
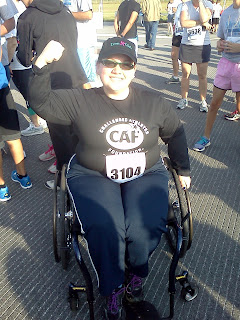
{"points": [[127, 65]]}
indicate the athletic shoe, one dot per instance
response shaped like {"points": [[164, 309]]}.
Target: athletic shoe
{"points": [[25, 182], [32, 130], [183, 103], [202, 144], [172, 80], [50, 185], [48, 155], [146, 46], [134, 288], [4, 194], [113, 310], [53, 167], [42, 123], [234, 116], [203, 106]]}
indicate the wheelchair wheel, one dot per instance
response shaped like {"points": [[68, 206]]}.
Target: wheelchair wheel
{"points": [[65, 222], [179, 213], [55, 222]]}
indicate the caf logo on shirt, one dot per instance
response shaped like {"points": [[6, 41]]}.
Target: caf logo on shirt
{"points": [[124, 136]]}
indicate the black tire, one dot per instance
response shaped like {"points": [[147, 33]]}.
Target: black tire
{"points": [[55, 221], [179, 212], [65, 228]]}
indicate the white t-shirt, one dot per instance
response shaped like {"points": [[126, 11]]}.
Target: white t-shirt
{"points": [[217, 8], [170, 7], [7, 11], [87, 35], [195, 36], [178, 30]]}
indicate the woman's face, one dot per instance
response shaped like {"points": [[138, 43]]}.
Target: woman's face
{"points": [[115, 79]]}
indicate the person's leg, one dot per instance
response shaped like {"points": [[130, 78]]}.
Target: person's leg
{"points": [[218, 95], [145, 202], [147, 30], [186, 71], [238, 101], [202, 77], [62, 140], [16, 149], [99, 211], [2, 182], [174, 56], [4, 192], [154, 28]]}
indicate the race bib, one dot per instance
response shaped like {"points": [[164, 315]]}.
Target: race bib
{"points": [[194, 33], [125, 167], [178, 31]]}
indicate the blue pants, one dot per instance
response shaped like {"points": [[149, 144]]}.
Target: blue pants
{"points": [[151, 28], [88, 61], [123, 223]]}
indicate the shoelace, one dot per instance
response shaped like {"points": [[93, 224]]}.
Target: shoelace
{"points": [[50, 149], [203, 140], [134, 283], [233, 113], [113, 301]]}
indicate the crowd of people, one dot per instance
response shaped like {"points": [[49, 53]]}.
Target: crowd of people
{"points": [[108, 135]]}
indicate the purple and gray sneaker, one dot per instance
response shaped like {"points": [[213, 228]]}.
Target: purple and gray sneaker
{"points": [[113, 309], [134, 288]]}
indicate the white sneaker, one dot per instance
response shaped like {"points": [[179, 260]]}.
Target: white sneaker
{"points": [[183, 103], [42, 123], [53, 167], [203, 106], [50, 185], [32, 130]]}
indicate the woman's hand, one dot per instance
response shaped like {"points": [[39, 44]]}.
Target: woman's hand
{"points": [[207, 25], [52, 52], [220, 45], [185, 181], [231, 47]]}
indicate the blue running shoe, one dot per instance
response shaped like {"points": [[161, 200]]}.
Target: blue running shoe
{"points": [[202, 144], [25, 182], [4, 194]]}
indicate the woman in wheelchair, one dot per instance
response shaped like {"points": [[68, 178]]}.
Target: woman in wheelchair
{"points": [[117, 179]]}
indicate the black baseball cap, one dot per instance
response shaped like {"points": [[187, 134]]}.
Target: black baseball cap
{"points": [[117, 45]]}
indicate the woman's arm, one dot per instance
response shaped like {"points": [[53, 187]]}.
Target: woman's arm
{"points": [[52, 105], [130, 23], [204, 12], [186, 22]]}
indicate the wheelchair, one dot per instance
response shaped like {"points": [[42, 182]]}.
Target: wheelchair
{"points": [[179, 237]]}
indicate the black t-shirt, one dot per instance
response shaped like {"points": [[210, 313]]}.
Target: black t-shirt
{"points": [[125, 10], [107, 127]]}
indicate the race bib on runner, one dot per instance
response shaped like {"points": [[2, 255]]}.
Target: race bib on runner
{"points": [[125, 167], [194, 33], [178, 31]]}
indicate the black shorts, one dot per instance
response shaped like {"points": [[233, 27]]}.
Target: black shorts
{"points": [[9, 124], [176, 41], [195, 54], [215, 20]]}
